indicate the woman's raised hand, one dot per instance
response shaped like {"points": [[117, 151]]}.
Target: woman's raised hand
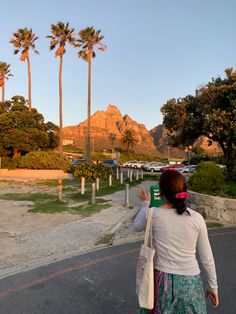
{"points": [[143, 195]]}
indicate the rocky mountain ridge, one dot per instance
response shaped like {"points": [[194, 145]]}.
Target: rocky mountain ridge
{"points": [[107, 127], [106, 124]]}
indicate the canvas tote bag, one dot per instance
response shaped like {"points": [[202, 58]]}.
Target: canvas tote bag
{"points": [[145, 269]]}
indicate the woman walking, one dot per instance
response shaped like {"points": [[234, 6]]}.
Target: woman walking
{"points": [[178, 232]]}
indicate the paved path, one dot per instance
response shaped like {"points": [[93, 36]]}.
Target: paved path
{"points": [[103, 282]]}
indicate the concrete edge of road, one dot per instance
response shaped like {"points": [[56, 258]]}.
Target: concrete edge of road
{"points": [[116, 229]]}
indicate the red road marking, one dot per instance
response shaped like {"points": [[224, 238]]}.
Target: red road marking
{"points": [[62, 272], [80, 266]]}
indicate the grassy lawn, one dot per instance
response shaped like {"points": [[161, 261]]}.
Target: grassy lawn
{"points": [[50, 203], [88, 210], [49, 206], [34, 197]]}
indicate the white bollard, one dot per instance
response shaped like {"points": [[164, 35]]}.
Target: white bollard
{"points": [[82, 185], [131, 175], [117, 173], [127, 195], [142, 174], [121, 177], [97, 184], [93, 193], [128, 173], [110, 180], [137, 175]]}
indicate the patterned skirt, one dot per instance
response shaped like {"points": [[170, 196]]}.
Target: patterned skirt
{"points": [[177, 294]]}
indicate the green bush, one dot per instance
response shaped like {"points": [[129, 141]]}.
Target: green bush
{"points": [[44, 160], [8, 163], [208, 178], [90, 171]]}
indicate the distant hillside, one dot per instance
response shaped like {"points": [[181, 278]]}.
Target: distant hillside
{"points": [[160, 137]]}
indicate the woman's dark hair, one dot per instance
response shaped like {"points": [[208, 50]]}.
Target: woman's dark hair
{"points": [[171, 183]]}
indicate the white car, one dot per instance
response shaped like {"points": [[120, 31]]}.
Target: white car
{"points": [[154, 166], [134, 164], [139, 164], [129, 163]]}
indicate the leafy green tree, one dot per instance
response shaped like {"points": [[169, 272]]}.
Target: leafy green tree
{"points": [[4, 75], [61, 34], [23, 40], [89, 38], [128, 140], [211, 113], [22, 131]]}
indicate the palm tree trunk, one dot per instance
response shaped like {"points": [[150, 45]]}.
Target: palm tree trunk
{"points": [[60, 109], [29, 82], [88, 155], [3, 90]]}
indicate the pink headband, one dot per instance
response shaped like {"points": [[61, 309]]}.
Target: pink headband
{"points": [[181, 195]]}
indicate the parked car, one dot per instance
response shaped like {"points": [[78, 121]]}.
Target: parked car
{"points": [[75, 162], [112, 163], [172, 167], [154, 166], [129, 163], [187, 169], [139, 164]]}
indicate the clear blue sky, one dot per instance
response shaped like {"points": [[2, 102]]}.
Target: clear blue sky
{"points": [[157, 50]]}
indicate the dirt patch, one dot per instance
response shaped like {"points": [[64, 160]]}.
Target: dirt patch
{"points": [[17, 224]]}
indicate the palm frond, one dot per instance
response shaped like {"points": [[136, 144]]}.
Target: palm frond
{"points": [[24, 39], [89, 39], [61, 34]]}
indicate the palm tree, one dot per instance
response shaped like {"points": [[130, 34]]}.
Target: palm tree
{"points": [[89, 38], [128, 140], [61, 34], [4, 75], [112, 138], [24, 40]]}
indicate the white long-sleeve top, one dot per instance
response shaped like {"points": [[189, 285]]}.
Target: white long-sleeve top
{"points": [[176, 239]]}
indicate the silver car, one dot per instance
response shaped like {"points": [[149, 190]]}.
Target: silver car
{"points": [[187, 169], [154, 166]]}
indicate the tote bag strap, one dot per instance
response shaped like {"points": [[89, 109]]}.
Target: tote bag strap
{"points": [[148, 232]]}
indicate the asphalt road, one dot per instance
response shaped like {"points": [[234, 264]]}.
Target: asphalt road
{"points": [[103, 282]]}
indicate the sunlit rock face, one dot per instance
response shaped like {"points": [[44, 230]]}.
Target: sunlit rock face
{"points": [[108, 123]]}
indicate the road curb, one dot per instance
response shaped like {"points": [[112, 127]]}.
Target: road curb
{"points": [[124, 220], [116, 229]]}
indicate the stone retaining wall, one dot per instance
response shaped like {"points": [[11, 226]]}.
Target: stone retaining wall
{"points": [[216, 208], [33, 174]]}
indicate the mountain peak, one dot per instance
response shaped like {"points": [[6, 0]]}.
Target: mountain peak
{"points": [[113, 109], [107, 122]]}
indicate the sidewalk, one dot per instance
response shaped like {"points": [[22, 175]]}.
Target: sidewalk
{"points": [[33, 248]]}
